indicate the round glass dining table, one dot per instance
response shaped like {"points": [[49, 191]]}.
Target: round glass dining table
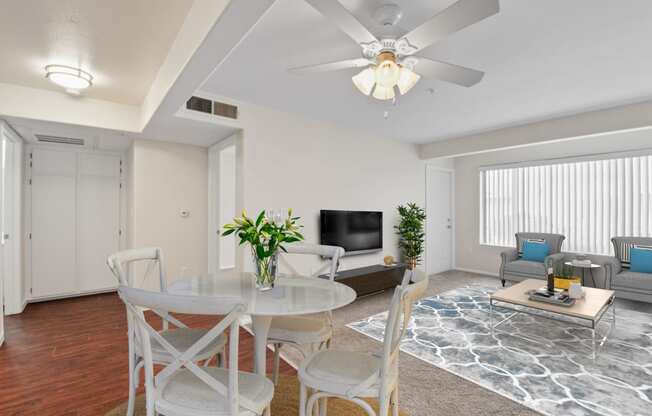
{"points": [[291, 295]]}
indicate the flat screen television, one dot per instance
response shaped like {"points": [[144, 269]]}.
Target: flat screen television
{"points": [[355, 231]]}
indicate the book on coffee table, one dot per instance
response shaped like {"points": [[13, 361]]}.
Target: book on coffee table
{"points": [[556, 297]]}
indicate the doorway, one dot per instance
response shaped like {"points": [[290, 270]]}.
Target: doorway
{"points": [[222, 161], [9, 267], [440, 220]]}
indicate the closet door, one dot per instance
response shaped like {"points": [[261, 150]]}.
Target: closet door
{"points": [[53, 222], [98, 224]]}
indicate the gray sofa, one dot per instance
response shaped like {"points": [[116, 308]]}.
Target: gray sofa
{"points": [[628, 284], [513, 268]]}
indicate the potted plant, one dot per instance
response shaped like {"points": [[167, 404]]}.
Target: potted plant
{"points": [[564, 275], [265, 237], [411, 234]]}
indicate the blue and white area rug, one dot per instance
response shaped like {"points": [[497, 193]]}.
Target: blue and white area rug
{"points": [[543, 364]]}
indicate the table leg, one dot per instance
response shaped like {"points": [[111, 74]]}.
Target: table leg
{"points": [[593, 340], [260, 325], [592, 278]]}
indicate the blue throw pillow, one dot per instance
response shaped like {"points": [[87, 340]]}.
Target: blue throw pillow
{"points": [[535, 251], [640, 260]]}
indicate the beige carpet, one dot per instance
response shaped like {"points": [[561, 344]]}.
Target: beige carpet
{"points": [[285, 403]]}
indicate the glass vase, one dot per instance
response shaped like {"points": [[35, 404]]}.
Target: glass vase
{"points": [[265, 271]]}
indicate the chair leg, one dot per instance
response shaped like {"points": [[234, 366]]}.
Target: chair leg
{"points": [[503, 282], [384, 405], [394, 399], [323, 405], [149, 406], [277, 363], [303, 394], [313, 404], [132, 386]]}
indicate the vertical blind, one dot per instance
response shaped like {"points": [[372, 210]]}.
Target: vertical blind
{"points": [[587, 201]]}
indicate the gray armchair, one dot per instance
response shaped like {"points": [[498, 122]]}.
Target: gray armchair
{"points": [[513, 268], [628, 284]]}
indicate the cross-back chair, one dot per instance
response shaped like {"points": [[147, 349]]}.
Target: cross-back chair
{"points": [[313, 331], [356, 375], [181, 337], [183, 388]]}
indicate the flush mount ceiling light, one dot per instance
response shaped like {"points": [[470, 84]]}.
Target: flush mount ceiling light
{"points": [[390, 61], [72, 79]]}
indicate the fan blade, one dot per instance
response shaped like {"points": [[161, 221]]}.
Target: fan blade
{"points": [[331, 66], [342, 18], [457, 16], [448, 72]]}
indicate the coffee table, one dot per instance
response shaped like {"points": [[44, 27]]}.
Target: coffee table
{"points": [[586, 312]]}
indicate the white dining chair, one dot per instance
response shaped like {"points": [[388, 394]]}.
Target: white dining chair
{"points": [[181, 338], [181, 387], [353, 376], [314, 331]]}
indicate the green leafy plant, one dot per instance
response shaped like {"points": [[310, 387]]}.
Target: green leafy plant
{"points": [[410, 232], [266, 236]]}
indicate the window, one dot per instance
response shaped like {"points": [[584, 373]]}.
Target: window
{"points": [[588, 201]]}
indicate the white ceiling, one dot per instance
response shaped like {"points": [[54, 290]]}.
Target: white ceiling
{"points": [[173, 129], [122, 43], [542, 59], [94, 138]]}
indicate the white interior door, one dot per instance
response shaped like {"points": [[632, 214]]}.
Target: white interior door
{"points": [[53, 222], [439, 232], [221, 205], [98, 219], [227, 205], [6, 262]]}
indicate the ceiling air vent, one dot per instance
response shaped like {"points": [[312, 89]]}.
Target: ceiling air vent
{"points": [[212, 107], [200, 104], [225, 110], [60, 140]]}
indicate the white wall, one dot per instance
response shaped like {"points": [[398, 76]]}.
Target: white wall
{"points": [[291, 161], [165, 178], [469, 253]]}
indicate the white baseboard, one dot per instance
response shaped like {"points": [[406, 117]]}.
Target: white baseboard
{"points": [[484, 272], [35, 299], [21, 308]]}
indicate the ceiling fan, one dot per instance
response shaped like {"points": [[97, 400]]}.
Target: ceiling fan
{"points": [[390, 61]]}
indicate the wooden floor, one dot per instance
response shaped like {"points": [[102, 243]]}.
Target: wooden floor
{"points": [[69, 357]]}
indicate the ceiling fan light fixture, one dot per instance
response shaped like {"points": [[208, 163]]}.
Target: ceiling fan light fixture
{"points": [[68, 77], [406, 80], [365, 80], [387, 71], [383, 93]]}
